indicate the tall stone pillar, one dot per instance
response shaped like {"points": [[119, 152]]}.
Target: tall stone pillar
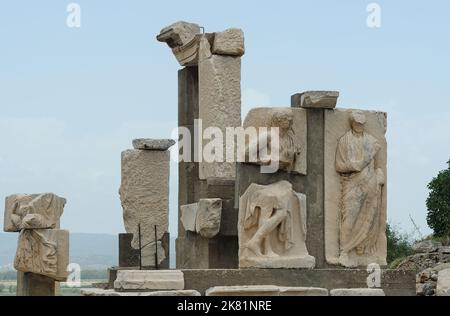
{"points": [[144, 193], [209, 90]]}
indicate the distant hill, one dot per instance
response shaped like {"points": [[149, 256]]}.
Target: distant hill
{"points": [[90, 251]]}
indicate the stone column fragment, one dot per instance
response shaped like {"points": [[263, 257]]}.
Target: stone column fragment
{"points": [[144, 193]]}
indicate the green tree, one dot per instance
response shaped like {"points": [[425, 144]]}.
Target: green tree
{"points": [[398, 245], [438, 204]]}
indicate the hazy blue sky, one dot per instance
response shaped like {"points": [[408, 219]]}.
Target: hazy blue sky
{"points": [[72, 99]]}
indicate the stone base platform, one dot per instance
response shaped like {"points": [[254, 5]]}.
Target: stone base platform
{"points": [[393, 282]]}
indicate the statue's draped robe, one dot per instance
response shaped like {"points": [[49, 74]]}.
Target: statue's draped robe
{"points": [[263, 201], [361, 192]]}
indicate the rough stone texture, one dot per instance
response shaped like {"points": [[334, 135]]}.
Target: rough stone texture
{"points": [[427, 246], [303, 291], [219, 106], [99, 292], [142, 280], [183, 38], [153, 144], [265, 290], [264, 117], [30, 284], [33, 211], [357, 292], [229, 42], [316, 99], [255, 290], [189, 216], [337, 124], [445, 250], [393, 282], [208, 217], [203, 217], [443, 283], [44, 252], [144, 193], [272, 228]]}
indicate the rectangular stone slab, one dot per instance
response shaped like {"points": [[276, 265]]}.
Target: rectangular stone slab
{"points": [[141, 280], [337, 124]]}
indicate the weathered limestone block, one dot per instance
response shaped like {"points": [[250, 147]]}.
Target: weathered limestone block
{"points": [[357, 292], [355, 187], [153, 144], [183, 38], [203, 218], [144, 193], [229, 42], [99, 292], [208, 217], [253, 290], [219, 108], [189, 216], [443, 283], [291, 123], [149, 280], [33, 211], [272, 228], [303, 291], [265, 290], [44, 252], [316, 99]]}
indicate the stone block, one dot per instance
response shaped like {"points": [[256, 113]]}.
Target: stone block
{"points": [[99, 292], [30, 284], [144, 194], [357, 292], [303, 291], [316, 99], [255, 290], [443, 283], [142, 280], [153, 144], [229, 42]]}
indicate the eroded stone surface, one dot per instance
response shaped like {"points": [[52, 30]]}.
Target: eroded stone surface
{"points": [[99, 292], [443, 283], [219, 107], [153, 144], [357, 292], [303, 291], [316, 99], [291, 123], [355, 187], [229, 42], [272, 228], [144, 193], [265, 290], [208, 217], [44, 252], [33, 211], [148, 280], [254, 290], [189, 216]]}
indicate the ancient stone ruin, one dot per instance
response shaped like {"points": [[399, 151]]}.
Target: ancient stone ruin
{"points": [[42, 253], [313, 226]]}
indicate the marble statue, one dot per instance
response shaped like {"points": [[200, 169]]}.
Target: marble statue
{"points": [[272, 228], [362, 181]]}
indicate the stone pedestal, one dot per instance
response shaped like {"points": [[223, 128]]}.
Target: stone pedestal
{"points": [[30, 284], [129, 257]]}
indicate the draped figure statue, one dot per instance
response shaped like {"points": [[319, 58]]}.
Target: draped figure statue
{"points": [[362, 182]]}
